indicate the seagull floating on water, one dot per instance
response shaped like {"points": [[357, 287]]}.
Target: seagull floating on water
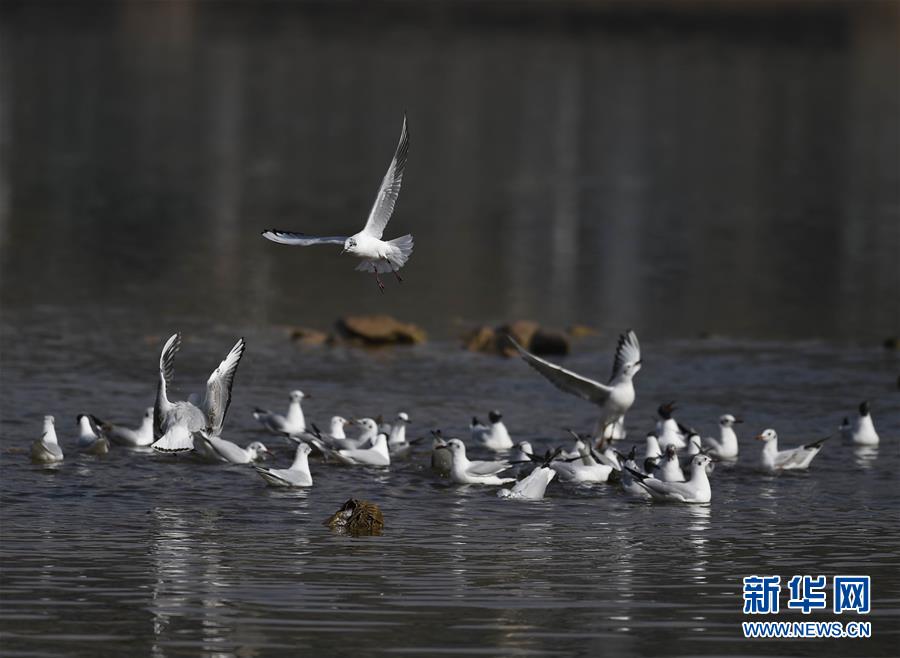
{"points": [[494, 436], [614, 398], [130, 438], [695, 490], [376, 455], [727, 446], [533, 486], [176, 422], [465, 471], [668, 429], [378, 256], [441, 460], [90, 438], [46, 449], [862, 429], [586, 469], [297, 475], [292, 423], [630, 484], [652, 451], [669, 469], [795, 459], [217, 449]]}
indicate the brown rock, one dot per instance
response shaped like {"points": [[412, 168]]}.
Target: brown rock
{"points": [[547, 342], [377, 330], [307, 336], [482, 339]]}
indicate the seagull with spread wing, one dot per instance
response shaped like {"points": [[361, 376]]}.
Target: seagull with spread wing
{"points": [[175, 423], [378, 256], [614, 398]]}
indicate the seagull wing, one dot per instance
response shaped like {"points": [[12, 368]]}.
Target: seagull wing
{"points": [[299, 239], [218, 388], [167, 370], [487, 468], [566, 380], [627, 351], [390, 189]]}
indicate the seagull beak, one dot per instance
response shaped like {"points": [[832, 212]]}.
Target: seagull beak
{"points": [[307, 396], [760, 437], [738, 420]]}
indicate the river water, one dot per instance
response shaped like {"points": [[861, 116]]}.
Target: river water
{"points": [[730, 176]]}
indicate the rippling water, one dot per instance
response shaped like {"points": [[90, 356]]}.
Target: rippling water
{"points": [[680, 171], [149, 554]]}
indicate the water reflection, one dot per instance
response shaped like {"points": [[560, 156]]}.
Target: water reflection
{"points": [[865, 456]]}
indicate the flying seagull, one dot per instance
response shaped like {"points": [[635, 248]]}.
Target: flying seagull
{"points": [[378, 256], [615, 397]]}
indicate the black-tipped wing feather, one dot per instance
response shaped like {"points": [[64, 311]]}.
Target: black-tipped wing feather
{"points": [[627, 351]]}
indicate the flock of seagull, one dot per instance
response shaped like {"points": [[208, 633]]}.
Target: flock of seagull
{"points": [[675, 465], [195, 425]]}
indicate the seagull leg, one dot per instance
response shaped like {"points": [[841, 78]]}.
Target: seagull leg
{"points": [[377, 278], [397, 274]]}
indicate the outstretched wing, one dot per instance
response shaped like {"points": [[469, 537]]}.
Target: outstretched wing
{"points": [[299, 239], [218, 388], [566, 380], [627, 351], [390, 189], [167, 358]]}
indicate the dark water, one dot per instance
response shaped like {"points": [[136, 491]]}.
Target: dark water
{"points": [[675, 171]]}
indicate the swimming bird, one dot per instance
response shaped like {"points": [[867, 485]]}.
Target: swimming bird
{"points": [[217, 449], [695, 490], [397, 431], [774, 460], [630, 484], [726, 448], [862, 429], [670, 430], [694, 445], [669, 469], [375, 455], [494, 436], [534, 485], [130, 438], [465, 471], [175, 423], [297, 475], [291, 423], [90, 439], [46, 449], [586, 469], [614, 398], [378, 256], [652, 451], [441, 460]]}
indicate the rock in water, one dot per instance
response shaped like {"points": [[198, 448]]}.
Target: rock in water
{"points": [[357, 518], [377, 330]]}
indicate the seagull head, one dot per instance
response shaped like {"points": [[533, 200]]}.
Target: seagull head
{"points": [[258, 450], [455, 446], [666, 410], [727, 420], [495, 416], [864, 408], [631, 369], [403, 417], [298, 395], [303, 449], [767, 435], [367, 424], [349, 246], [701, 461]]}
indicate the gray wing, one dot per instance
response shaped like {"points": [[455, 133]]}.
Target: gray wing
{"points": [[299, 239], [218, 388], [566, 380], [487, 468], [627, 351], [390, 189], [167, 370], [225, 450]]}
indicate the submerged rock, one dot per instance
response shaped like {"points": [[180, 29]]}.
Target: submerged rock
{"points": [[530, 335], [379, 330], [358, 518], [307, 336]]}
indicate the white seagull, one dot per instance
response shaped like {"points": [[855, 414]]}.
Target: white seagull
{"points": [[376, 455], [217, 449], [378, 256], [397, 431], [614, 398], [585, 469], [630, 484], [727, 446], [652, 451], [297, 475], [130, 438], [176, 422], [796, 459], [862, 429], [90, 437], [368, 432], [46, 449], [669, 469], [465, 471], [531, 487], [669, 430], [695, 490], [494, 436], [291, 423]]}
